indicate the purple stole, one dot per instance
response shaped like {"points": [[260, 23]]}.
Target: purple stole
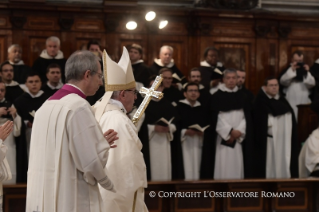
{"points": [[66, 90]]}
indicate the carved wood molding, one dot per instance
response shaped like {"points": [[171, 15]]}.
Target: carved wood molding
{"points": [[111, 23], [152, 26], [18, 21], [284, 31], [66, 23], [192, 24], [262, 30], [229, 4], [205, 28]]}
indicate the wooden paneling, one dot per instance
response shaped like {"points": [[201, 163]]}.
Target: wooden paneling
{"points": [[5, 42], [207, 196], [43, 23], [3, 21], [194, 199], [14, 197], [179, 44], [248, 203], [128, 39], [237, 53], [258, 42], [2, 48], [307, 122], [89, 25]]}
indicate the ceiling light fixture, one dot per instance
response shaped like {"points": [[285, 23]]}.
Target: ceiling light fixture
{"points": [[163, 24], [150, 16], [131, 25]]}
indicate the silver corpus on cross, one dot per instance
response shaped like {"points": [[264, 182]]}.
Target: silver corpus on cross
{"points": [[149, 94]]}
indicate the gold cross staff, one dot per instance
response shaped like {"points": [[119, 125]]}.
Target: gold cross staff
{"points": [[149, 94]]}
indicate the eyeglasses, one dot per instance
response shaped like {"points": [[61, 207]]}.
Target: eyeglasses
{"points": [[134, 91], [100, 76]]}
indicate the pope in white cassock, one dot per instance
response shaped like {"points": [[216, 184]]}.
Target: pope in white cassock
{"points": [[125, 167], [68, 150]]}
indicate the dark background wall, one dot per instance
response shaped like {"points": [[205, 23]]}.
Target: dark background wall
{"points": [[257, 41]]}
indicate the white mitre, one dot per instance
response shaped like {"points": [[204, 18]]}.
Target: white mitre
{"points": [[117, 76]]}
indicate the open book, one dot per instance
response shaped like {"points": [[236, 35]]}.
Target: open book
{"points": [[197, 127], [163, 122], [177, 77]]}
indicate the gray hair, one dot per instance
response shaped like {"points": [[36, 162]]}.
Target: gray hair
{"points": [[78, 63], [54, 39], [166, 47], [13, 46], [230, 71], [115, 94]]}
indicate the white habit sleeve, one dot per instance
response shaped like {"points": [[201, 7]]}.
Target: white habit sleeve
{"points": [[17, 126], [242, 128], [222, 127], [309, 81], [286, 78], [3, 150]]}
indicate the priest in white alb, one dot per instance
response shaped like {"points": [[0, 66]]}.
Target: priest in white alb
{"points": [[68, 150], [125, 167]]}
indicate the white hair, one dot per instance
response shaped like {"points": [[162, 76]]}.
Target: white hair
{"points": [[166, 47], [115, 94], [13, 46], [54, 39], [229, 71]]}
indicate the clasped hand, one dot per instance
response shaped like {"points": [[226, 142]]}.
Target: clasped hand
{"points": [[234, 134], [11, 110]]}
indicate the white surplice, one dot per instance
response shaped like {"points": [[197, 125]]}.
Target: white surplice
{"points": [[11, 147], [297, 93], [160, 153], [192, 151], [125, 167], [68, 153], [229, 162]]}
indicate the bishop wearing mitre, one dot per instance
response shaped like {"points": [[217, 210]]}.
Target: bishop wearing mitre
{"points": [[126, 167]]}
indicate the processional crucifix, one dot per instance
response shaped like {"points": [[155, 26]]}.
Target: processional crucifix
{"points": [[149, 94]]}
